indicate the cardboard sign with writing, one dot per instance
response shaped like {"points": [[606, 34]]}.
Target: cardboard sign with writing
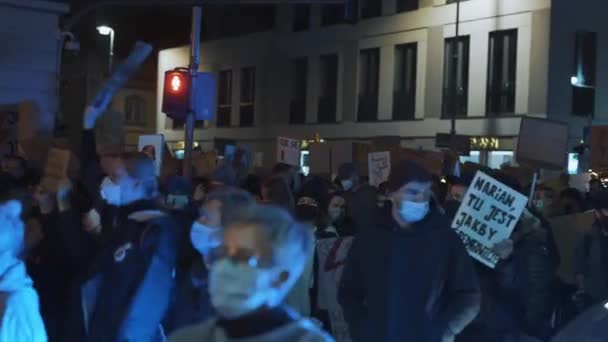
{"points": [[487, 216], [288, 151], [379, 164], [56, 168], [319, 160], [599, 147], [332, 254]]}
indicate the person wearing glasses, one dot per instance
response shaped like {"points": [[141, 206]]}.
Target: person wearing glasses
{"points": [[263, 253]]}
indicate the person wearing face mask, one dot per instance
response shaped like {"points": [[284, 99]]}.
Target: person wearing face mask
{"points": [[410, 278], [136, 264], [457, 190], [191, 303], [263, 253], [591, 256]]}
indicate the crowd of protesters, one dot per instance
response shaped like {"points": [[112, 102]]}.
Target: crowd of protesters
{"points": [[117, 254]]}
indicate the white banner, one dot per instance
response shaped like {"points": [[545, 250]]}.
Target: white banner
{"points": [[288, 151], [332, 254], [379, 164], [489, 212]]}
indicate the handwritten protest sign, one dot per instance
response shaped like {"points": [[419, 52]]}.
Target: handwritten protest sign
{"points": [[332, 254], [56, 168], [487, 216], [288, 151], [379, 164]]}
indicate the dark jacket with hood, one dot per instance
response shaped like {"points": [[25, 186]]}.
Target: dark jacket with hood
{"points": [[415, 284], [127, 291]]}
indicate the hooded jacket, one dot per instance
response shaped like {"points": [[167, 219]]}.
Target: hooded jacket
{"points": [[127, 291], [21, 321], [415, 284]]}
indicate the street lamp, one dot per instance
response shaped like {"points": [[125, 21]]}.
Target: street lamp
{"points": [[105, 30]]}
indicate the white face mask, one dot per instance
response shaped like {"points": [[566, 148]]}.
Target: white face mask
{"points": [[239, 289], [204, 238], [110, 192], [412, 212], [347, 184], [335, 214]]}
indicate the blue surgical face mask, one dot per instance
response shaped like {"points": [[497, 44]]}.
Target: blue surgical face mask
{"points": [[110, 192], [347, 184], [205, 238], [412, 212], [238, 289], [177, 201]]}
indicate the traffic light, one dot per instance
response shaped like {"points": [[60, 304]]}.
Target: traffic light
{"points": [[176, 93]]}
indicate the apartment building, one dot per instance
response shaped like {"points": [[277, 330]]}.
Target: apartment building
{"points": [[399, 71]]}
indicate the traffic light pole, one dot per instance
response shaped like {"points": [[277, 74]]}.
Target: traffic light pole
{"points": [[195, 42]]}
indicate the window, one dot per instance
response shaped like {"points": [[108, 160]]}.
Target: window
{"points": [[371, 9], [502, 67], [246, 116], [328, 89], [407, 5], [583, 79], [331, 14], [496, 159], [456, 77], [369, 67], [297, 108], [301, 17], [135, 110], [404, 97], [473, 157], [224, 101]]}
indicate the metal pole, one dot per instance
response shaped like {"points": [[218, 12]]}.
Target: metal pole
{"points": [[454, 89], [194, 61], [111, 57]]}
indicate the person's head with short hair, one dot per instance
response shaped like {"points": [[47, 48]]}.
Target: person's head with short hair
{"points": [[110, 160], [11, 230], [571, 201], [15, 166], [410, 186], [139, 181], [264, 252], [275, 190], [348, 177], [458, 187], [150, 151], [595, 186], [215, 212]]}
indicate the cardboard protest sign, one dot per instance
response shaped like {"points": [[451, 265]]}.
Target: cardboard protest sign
{"points": [[487, 216], [56, 168], [332, 254], [379, 164], [319, 159], [152, 145], [288, 151], [125, 70], [568, 231], [542, 143], [598, 158]]}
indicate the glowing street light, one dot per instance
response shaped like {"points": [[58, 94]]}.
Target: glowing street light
{"points": [[105, 30]]}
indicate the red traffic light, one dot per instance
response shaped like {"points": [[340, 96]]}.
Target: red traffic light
{"points": [[176, 94], [176, 82]]}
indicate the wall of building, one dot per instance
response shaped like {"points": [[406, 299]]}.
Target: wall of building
{"points": [[272, 53], [568, 17], [28, 32]]}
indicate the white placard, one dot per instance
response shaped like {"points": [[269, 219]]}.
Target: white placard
{"points": [[288, 151], [153, 143], [489, 212], [379, 164]]}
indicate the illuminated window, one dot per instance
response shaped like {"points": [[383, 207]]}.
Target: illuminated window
{"points": [[473, 157], [496, 159]]}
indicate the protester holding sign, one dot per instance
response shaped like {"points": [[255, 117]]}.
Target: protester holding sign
{"points": [[409, 278]]}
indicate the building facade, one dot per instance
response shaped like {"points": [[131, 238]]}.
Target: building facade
{"points": [[399, 71], [29, 32]]}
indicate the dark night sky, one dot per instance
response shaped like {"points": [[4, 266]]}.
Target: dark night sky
{"points": [[163, 26]]}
